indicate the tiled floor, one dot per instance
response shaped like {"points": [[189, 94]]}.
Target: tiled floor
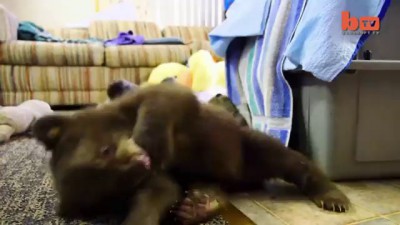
{"points": [[373, 203]]}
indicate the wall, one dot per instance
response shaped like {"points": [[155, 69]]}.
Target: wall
{"points": [[58, 13], [188, 12], [51, 13]]}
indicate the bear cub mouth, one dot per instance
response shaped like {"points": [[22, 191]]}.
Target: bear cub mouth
{"points": [[143, 159]]}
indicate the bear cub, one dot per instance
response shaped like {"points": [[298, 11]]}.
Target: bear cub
{"points": [[146, 144]]}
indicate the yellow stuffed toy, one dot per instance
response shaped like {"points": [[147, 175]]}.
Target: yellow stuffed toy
{"points": [[206, 73], [167, 70], [221, 75], [202, 73]]}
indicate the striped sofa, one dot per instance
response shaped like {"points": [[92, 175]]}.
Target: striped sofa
{"points": [[78, 74]]}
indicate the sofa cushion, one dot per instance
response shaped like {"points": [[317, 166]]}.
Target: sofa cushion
{"points": [[55, 97], [110, 29], [63, 85], [187, 33], [145, 55], [8, 25], [6, 82], [69, 33], [52, 78], [51, 54]]}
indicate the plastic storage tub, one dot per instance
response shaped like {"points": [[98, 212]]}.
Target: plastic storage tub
{"points": [[351, 126]]}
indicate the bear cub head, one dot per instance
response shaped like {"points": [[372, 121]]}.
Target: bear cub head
{"points": [[91, 139], [94, 159]]}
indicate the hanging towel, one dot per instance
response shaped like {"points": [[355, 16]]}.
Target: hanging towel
{"points": [[227, 4], [243, 20], [254, 70], [319, 45], [291, 31]]}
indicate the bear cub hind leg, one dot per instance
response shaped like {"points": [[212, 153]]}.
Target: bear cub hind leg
{"points": [[311, 180], [267, 158]]}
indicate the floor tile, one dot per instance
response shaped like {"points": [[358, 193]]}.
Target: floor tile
{"points": [[395, 183], [295, 209], [378, 221], [284, 204], [234, 216], [395, 217], [378, 197], [256, 213]]}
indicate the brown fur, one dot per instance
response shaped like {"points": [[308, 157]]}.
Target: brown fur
{"points": [[186, 140], [87, 182]]}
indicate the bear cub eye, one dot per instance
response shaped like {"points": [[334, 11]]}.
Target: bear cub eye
{"points": [[108, 151]]}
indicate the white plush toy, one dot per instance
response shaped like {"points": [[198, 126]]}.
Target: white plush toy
{"points": [[18, 119]]}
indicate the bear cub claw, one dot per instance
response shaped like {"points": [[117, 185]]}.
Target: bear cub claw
{"points": [[195, 208], [332, 200]]}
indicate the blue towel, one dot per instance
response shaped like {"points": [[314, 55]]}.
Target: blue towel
{"points": [[319, 45], [254, 69], [243, 20], [228, 3], [256, 54]]}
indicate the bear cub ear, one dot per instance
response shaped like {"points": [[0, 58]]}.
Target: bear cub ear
{"points": [[49, 130]]}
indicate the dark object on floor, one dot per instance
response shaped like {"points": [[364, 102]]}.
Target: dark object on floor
{"points": [[299, 121], [27, 194], [70, 107], [119, 87]]}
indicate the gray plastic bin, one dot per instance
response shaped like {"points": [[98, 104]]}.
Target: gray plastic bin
{"points": [[351, 126]]}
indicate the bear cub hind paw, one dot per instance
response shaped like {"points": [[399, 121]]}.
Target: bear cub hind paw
{"points": [[332, 200]]}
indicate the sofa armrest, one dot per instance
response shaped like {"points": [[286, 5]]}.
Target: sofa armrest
{"points": [[8, 25]]}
